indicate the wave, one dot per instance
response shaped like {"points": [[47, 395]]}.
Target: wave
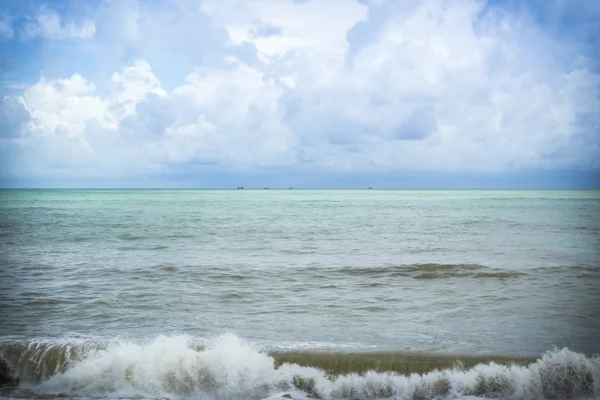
{"points": [[228, 367], [440, 271], [431, 271]]}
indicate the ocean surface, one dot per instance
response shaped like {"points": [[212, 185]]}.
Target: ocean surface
{"points": [[189, 294]]}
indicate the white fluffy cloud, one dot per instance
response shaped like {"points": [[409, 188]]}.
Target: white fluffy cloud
{"points": [[438, 85], [275, 28]]}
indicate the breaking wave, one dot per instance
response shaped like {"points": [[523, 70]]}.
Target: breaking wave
{"points": [[227, 367]]}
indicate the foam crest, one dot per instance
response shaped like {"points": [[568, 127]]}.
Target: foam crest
{"points": [[230, 368], [166, 367]]}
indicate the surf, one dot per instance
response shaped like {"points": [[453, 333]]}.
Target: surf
{"points": [[228, 367]]}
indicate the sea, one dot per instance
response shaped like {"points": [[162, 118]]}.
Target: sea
{"points": [[298, 294]]}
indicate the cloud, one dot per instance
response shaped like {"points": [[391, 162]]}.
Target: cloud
{"points": [[265, 30], [6, 29], [316, 26], [49, 24], [375, 88], [13, 117], [227, 117]]}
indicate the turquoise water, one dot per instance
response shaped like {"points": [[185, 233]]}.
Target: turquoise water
{"points": [[468, 272]]}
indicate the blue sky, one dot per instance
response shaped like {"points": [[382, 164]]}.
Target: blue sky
{"points": [[312, 93]]}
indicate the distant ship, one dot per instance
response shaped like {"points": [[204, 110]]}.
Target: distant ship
{"points": [[240, 188]]}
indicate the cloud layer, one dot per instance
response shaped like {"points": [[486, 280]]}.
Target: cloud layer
{"points": [[315, 86]]}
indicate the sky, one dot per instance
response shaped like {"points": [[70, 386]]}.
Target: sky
{"points": [[300, 93]]}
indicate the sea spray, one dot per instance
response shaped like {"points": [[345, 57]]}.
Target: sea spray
{"points": [[230, 368], [166, 367]]}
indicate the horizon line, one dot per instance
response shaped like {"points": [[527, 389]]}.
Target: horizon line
{"points": [[301, 188]]}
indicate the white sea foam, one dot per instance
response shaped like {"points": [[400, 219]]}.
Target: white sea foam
{"points": [[230, 368]]}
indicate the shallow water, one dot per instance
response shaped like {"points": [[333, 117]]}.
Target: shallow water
{"points": [[510, 273]]}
